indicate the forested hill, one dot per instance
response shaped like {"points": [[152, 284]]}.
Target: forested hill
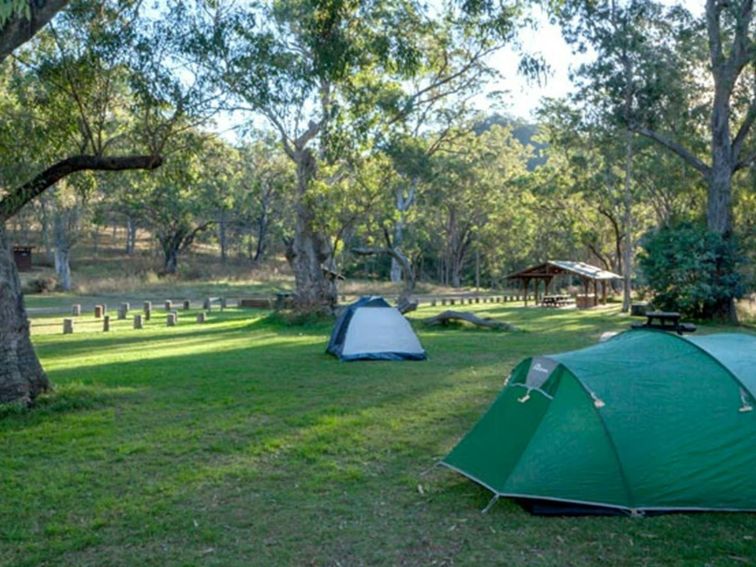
{"points": [[523, 133]]}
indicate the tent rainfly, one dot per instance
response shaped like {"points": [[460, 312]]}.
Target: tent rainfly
{"points": [[370, 329], [547, 271], [645, 422]]}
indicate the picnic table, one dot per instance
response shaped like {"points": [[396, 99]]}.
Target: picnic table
{"points": [[555, 300], [666, 321]]}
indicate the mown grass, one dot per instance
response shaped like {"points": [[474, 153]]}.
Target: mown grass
{"points": [[241, 443]]}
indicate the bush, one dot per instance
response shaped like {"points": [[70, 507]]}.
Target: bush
{"points": [[40, 285], [691, 270]]}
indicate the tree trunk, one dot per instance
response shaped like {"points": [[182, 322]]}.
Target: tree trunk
{"points": [[719, 206], [62, 243], [309, 252], [262, 237], [131, 233], [403, 203], [21, 375], [396, 267], [222, 237], [170, 260], [627, 253]]}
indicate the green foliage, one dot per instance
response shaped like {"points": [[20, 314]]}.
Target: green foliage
{"points": [[691, 270], [14, 9]]}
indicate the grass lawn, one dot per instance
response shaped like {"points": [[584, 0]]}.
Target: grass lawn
{"points": [[241, 443]]}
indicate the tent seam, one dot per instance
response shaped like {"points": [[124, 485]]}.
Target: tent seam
{"points": [[610, 440]]}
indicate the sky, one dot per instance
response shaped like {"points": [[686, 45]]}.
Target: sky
{"points": [[524, 97]]}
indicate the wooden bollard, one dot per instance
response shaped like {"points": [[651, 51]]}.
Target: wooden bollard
{"points": [[68, 326], [137, 321], [187, 305], [106, 323], [147, 306], [148, 314], [201, 317], [98, 312], [443, 302], [477, 300], [433, 302], [451, 302], [76, 310], [168, 305], [170, 319], [126, 307], [122, 311]]}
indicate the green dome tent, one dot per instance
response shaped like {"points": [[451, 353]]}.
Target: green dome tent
{"points": [[647, 421]]}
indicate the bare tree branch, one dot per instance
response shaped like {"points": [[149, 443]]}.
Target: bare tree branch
{"points": [[673, 146]]}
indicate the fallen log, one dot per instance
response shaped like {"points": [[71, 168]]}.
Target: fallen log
{"points": [[444, 317]]}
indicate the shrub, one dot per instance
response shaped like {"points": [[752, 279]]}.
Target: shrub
{"points": [[691, 270], [40, 285]]}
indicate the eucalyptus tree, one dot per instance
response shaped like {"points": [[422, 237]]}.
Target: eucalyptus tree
{"points": [[328, 76], [692, 94]]}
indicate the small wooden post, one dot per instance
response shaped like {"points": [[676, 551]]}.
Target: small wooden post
{"points": [[201, 317], [187, 305], [451, 301], [126, 307], [106, 323], [168, 305], [223, 303], [443, 301], [207, 304], [477, 300], [98, 312], [148, 314], [137, 321], [147, 306], [68, 326], [170, 319], [122, 311], [433, 302], [76, 310]]}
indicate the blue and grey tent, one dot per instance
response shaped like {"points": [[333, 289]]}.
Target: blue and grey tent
{"points": [[370, 329]]}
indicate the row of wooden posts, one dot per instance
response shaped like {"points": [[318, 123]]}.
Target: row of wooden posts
{"points": [[100, 311], [472, 300], [171, 318]]}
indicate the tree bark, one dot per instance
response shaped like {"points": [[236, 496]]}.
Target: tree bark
{"points": [[21, 375], [627, 252], [20, 29], [309, 252], [403, 203], [222, 237], [131, 234], [65, 228]]}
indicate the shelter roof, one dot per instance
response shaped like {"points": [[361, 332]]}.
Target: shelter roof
{"points": [[556, 267]]}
